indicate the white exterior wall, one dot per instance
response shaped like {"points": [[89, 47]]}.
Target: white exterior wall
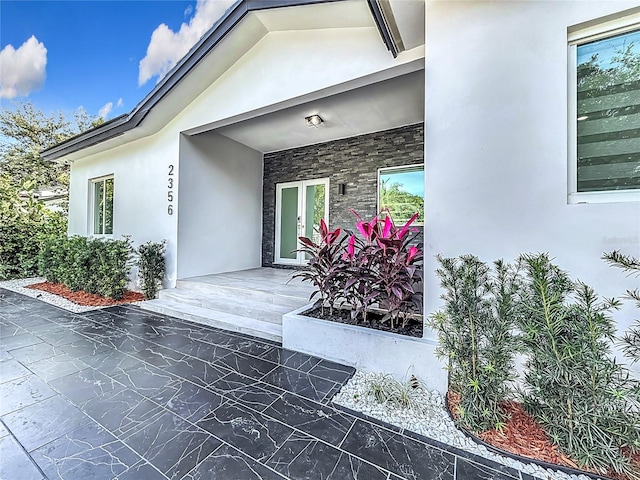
{"points": [[280, 67], [496, 141], [220, 218], [140, 171]]}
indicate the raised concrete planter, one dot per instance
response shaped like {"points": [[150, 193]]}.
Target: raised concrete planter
{"points": [[363, 348]]}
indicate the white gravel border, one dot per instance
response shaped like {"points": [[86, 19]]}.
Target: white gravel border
{"points": [[431, 420], [19, 285]]}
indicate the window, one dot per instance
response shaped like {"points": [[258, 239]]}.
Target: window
{"points": [[605, 99], [102, 206], [401, 190]]}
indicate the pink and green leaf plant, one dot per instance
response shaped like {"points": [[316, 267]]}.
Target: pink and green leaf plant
{"points": [[381, 268]]}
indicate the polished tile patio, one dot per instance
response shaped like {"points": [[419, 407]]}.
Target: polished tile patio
{"points": [[122, 393]]}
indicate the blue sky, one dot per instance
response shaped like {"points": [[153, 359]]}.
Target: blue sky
{"points": [[61, 55], [608, 48]]}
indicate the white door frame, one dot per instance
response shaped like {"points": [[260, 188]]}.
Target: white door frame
{"points": [[302, 200]]}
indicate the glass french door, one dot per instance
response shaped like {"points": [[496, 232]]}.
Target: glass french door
{"points": [[299, 208]]}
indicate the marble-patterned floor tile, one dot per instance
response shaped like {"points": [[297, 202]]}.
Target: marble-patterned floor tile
{"points": [[302, 457], [45, 328], [156, 355], [146, 379], [171, 444], [142, 471], [4, 355], [253, 433], [190, 401], [121, 411], [44, 421], [19, 340], [300, 383], [3, 430], [12, 369], [197, 371], [245, 390], [63, 337], [470, 470], [317, 420], [88, 453], [84, 385], [10, 329], [246, 365], [401, 455], [296, 360], [253, 347], [173, 341], [33, 353], [111, 362], [14, 462], [220, 337], [227, 462], [22, 392], [204, 351], [83, 347], [332, 371], [55, 367]]}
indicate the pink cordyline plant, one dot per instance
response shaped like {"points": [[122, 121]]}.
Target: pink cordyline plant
{"points": [[381, 268]]}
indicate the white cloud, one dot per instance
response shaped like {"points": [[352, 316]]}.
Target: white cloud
{"points": [[167, 47], [22, 71], [105, 110], [119, 103], [188, 11]]}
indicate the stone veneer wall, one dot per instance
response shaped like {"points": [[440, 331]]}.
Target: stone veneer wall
{"points": [[353, 161]]}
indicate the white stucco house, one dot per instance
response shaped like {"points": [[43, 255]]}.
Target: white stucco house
{"points": [[482, 100]]}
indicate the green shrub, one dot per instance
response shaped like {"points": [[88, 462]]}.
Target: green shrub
{"points": [[582, 398], [94, 265], [151, 267], [631, 265], [24, 224], [475, 336]]}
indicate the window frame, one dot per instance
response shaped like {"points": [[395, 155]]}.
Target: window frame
{"points": [[92, 205], [400, 167], [587, 33]]}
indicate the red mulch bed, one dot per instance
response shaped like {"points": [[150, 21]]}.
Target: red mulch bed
{"points": [[523, 436], [86, 299]]}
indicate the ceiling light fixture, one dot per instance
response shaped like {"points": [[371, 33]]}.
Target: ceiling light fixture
{"points": [[313, 121]]}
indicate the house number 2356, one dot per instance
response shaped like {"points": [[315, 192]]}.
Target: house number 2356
{"points": [[170, 191]]}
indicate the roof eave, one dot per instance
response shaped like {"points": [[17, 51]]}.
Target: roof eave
{"points": [[120, 125]]}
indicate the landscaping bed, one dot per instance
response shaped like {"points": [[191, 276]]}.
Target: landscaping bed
{"points": [[413, 328], [523, 438], [83, 298]]}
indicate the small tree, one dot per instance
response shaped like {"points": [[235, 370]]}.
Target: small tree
{"points": [[151, 267], [631, 265], [475, 336], [583, 399]]}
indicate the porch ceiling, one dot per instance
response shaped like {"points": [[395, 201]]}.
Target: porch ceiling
{"points": [[379, 106]]}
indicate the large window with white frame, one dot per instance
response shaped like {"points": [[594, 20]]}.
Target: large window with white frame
{"points": [[102, 206], [604, 99], [401, 192]]}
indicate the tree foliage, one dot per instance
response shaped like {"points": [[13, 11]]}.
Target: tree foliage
{"points": [[25, 131], [24, 224], [402, 205]]}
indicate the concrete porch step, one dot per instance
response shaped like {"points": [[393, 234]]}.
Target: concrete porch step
{"points": [[283, 296], [214, 318], [245, 307]]}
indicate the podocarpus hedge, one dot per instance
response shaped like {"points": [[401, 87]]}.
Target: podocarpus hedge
{"points": [[586, 402], [95, 265]]}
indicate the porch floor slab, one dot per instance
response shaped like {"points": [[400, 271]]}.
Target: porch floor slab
{"points": [[122, 393]]}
